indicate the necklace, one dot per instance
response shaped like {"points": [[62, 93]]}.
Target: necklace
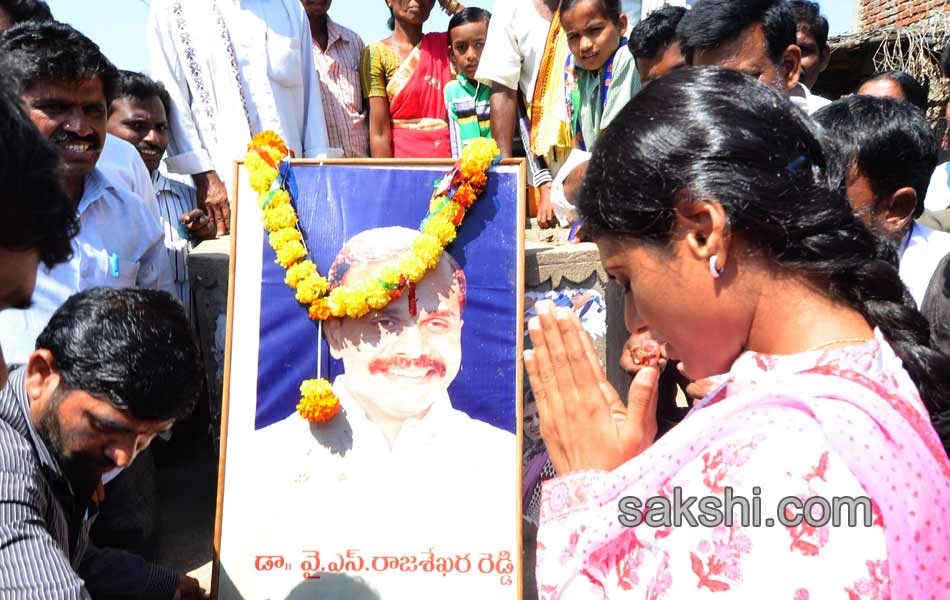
{"points": [[836, 342]]}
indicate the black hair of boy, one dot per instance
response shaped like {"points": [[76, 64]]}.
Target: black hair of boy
{"points": [[656, 32]]}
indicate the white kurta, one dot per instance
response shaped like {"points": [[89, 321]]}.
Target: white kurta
{"points": [[449, 483], [235, 68], [921, 252]]}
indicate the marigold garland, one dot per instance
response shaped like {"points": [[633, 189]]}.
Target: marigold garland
{"points": [[455, 193]]}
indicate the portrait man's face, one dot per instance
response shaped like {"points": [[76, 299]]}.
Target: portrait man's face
{"points": [[399, 360]]}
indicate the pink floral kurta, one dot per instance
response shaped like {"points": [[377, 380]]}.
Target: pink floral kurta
{"points": [[840, 423]]}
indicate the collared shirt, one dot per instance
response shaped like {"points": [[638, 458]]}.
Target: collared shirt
{"points": [[234, 69], [938, 192], [174, 199], [338, 68], [44, 540], [802, 97], [594, 110], [468, 104], [922, 250], [122, 164], [119, 244], [448, 481]]}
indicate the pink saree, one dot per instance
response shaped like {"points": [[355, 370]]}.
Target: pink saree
{"points": [[416, 101], [841, 423]]}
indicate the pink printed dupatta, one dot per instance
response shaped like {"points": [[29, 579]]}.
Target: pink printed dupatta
{"points": [[417, 103], [853, 413]]}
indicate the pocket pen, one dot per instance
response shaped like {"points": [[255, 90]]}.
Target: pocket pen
{"points": [[114, 264]]}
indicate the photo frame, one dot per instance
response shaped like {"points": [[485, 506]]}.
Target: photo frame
{"points": [[414, 489]]}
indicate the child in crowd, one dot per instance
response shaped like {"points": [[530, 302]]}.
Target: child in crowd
{"points": [[600, 77], [467, 101]]}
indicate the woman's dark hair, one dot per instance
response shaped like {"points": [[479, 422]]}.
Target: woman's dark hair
{"points": [[53, 51], [35, 211], [469, 14], [134, 347], [889, 141], [915, 92], [611, 8], [719, 134], [712, 23]]}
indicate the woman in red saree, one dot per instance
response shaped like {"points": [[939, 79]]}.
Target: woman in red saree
{"points": [[403, 77]]}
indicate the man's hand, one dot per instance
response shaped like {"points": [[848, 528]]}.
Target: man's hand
{"points": [[198, 225], [584, 423], [213, 199], [546, 218], [189, 589]]}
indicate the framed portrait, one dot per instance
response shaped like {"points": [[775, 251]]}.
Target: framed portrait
{"points": [[413, 490]]}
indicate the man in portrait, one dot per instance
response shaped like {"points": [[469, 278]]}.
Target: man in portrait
{"points": [[400, 469]]}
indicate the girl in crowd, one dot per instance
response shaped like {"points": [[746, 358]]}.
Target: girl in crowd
{"points": [[467, 102], [403, 77], [741, 255]]}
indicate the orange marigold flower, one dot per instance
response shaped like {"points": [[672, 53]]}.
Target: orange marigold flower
{"points": [[320, 310], [317, 403], [271, 141]]}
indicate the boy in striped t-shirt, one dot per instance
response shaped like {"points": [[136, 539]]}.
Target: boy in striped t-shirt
{"points": [[466, 101]]}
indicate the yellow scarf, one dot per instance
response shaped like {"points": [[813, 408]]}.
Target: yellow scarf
{"points": [[550, 130]]}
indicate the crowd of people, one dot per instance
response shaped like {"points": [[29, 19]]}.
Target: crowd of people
{"points": [[786, 255]]}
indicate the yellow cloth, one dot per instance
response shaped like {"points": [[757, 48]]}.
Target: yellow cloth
{"points": [[550, 130]]}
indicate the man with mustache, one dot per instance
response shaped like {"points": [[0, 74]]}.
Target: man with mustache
{"points": [[138, 114], [64, 82], [442, 474], [111, 370]]}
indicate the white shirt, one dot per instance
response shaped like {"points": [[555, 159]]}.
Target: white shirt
{"points": [[921, 253], [449, 482], [515, 45], [938, 192], [189, 53], [802, 97], [119, 244], [121, 163]]}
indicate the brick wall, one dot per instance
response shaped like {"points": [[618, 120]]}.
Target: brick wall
{"points": [[883, 13]]}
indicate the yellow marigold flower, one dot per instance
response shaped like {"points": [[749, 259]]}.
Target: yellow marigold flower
{"points": [[280, 198], [413, 267], [451, 211], [282, 237], [377, 297], [354, 301], [280, 217], [336, 302], [299, 272], [428, 250], [320, 310], [260, 174], [478, 154], [317, 401], [290, 253], [435, 203], [272, 143], [390, 275], [440, 229], [311, 289]]}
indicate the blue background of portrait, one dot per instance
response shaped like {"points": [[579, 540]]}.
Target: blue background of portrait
{"points": [[337, 202]]}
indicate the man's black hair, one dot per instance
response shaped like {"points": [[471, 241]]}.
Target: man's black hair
{"points": [[469, 14], [888, 141], [611, 9], [656, 32], [53, 51], [133, 347], [712, 23], [810, 21], [35, 212], [915, 92], [137, 86], [21, 11]]}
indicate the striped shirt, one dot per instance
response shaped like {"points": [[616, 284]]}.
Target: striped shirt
{"points": [[468, 104], [338, 69], [174, 199], [44, 537]]}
